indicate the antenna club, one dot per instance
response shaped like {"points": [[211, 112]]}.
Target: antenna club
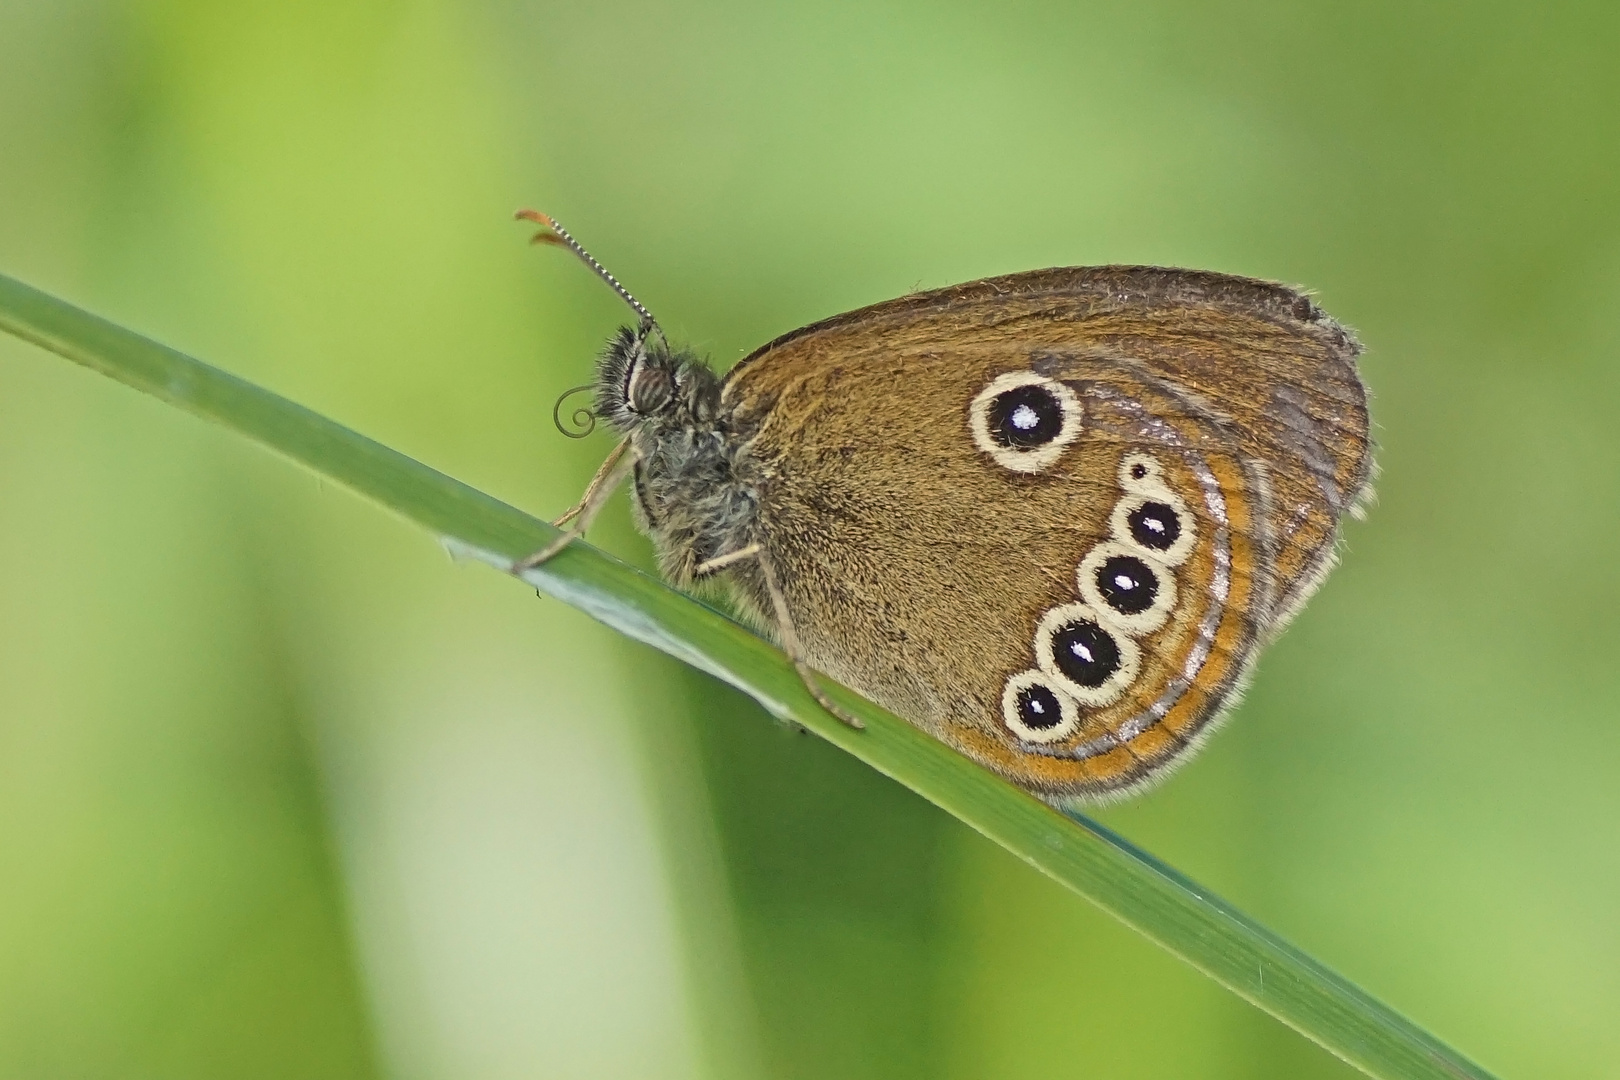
{"points": [[537, 217], [559, 235]]}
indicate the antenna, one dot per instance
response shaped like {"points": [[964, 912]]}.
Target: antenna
{"points": [[554, 233]]}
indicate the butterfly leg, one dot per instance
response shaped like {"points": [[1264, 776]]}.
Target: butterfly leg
{"points": [[602, 485], [596, 482], [795, 651], [720, 562]]}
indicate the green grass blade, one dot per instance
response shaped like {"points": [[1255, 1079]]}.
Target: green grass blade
{"points": [[1171, 910]]}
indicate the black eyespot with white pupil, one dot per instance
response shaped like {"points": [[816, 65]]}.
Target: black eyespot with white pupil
{"points": [[1127, 584], [1038, 707], [1025, 417], [1085, 652], [1155, 525]]}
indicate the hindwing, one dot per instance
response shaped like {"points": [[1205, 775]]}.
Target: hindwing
{"points": [[1051, 517]]}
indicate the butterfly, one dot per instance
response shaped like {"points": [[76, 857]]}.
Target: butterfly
{"points": [[1051, 518]]}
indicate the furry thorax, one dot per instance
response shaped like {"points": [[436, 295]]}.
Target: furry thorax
{"points": [[697, 490]]}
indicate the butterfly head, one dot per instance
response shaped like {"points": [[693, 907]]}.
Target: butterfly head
{"points": [[642, 381]]}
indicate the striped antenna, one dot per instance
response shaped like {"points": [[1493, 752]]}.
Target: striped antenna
{"points": [[554, 233]]}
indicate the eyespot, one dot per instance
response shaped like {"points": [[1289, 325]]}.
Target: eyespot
{"points": [[1139, 472], [1126, 584], [1087, 658], [1155, 523], [1025, 417], [1131, 591], [1024, 420], [1037, 710]]}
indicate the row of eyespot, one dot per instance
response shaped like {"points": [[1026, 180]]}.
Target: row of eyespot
{"points": [[1086, 652]]}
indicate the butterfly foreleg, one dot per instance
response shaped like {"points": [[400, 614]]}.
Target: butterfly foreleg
{"points": [[795, 650], [602, 472], [612, 473]]}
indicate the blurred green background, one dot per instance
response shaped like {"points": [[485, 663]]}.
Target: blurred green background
{"points": [[285, 792]]}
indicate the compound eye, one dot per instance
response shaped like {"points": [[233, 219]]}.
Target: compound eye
{"points": [[651, 389]]}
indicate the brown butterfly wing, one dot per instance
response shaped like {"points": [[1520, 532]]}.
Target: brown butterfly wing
{"points": [[917, 567]]}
